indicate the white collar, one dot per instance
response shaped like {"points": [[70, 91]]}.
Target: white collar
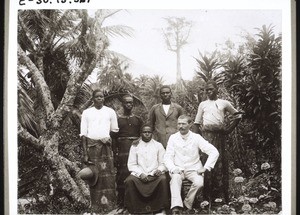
{"points": [[143, 142], [186, 136]]}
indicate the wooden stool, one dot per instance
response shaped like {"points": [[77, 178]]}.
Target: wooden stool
{"points": [[186, 184]]}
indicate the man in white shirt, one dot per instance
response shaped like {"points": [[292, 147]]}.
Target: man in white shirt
{"points": [[97, 123], [182, 159], [211, 113], [210, 122], [146, 189]]}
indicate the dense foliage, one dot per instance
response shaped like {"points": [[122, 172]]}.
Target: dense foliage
{"points": [[252, 82], [250, 79]]}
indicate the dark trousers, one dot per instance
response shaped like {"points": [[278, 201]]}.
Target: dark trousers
{"points": [[216, 182]]}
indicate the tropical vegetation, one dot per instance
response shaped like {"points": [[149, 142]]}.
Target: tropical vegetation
{"points": [[58, 50]]}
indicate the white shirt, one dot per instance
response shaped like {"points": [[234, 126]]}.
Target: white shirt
{"points": [[166, 108], [97, 124], [184, 154], [211, 112], [146, 158]]}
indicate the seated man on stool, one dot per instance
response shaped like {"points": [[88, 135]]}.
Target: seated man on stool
{"points": [[182, 159], [147, 188]]}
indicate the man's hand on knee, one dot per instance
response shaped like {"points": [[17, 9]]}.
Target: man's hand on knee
{"points": [[201, 171], [158, 172], [176, 171]]}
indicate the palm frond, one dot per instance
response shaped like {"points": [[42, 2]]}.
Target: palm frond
{"points": [[118, 30], [26, 113], [106, 13], [110, 54]]}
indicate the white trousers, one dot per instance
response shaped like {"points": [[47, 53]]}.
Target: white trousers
{"points": [[175, 187]]}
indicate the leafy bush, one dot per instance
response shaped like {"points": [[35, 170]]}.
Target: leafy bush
{"points": [[253, 195]]}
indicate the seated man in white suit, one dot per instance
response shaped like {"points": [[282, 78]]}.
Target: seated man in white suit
{"points": [[182, 158]]}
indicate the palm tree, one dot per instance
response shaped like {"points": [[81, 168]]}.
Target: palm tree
{"points": [[149, 92], [113, 75], [56, 46]]}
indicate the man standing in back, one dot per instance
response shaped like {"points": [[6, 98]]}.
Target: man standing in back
{"points": [[129, 131], [210, 122], [163, 116]]}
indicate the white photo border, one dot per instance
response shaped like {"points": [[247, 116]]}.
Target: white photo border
{"points": [[11, 67]]}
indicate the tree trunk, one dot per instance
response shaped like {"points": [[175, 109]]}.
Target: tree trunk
{"points": [[39, 81], [59, 171], [178, 74], [73, 86]]}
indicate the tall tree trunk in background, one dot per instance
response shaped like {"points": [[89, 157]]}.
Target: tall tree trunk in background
{"points": [[179, 85], [176, 35]]}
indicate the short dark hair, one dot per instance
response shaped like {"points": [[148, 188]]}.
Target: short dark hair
{"points": [[146, 125], [184, 116], [163, 87], [96, 91], [126, 96]]}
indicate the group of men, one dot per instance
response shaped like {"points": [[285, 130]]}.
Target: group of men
{"points": [[153, 159]]}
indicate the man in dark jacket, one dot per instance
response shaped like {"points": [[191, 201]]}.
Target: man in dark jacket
{"points": [[163, 116]]}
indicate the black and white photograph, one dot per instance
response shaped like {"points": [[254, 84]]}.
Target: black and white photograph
{"points": [[149, 110]]}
